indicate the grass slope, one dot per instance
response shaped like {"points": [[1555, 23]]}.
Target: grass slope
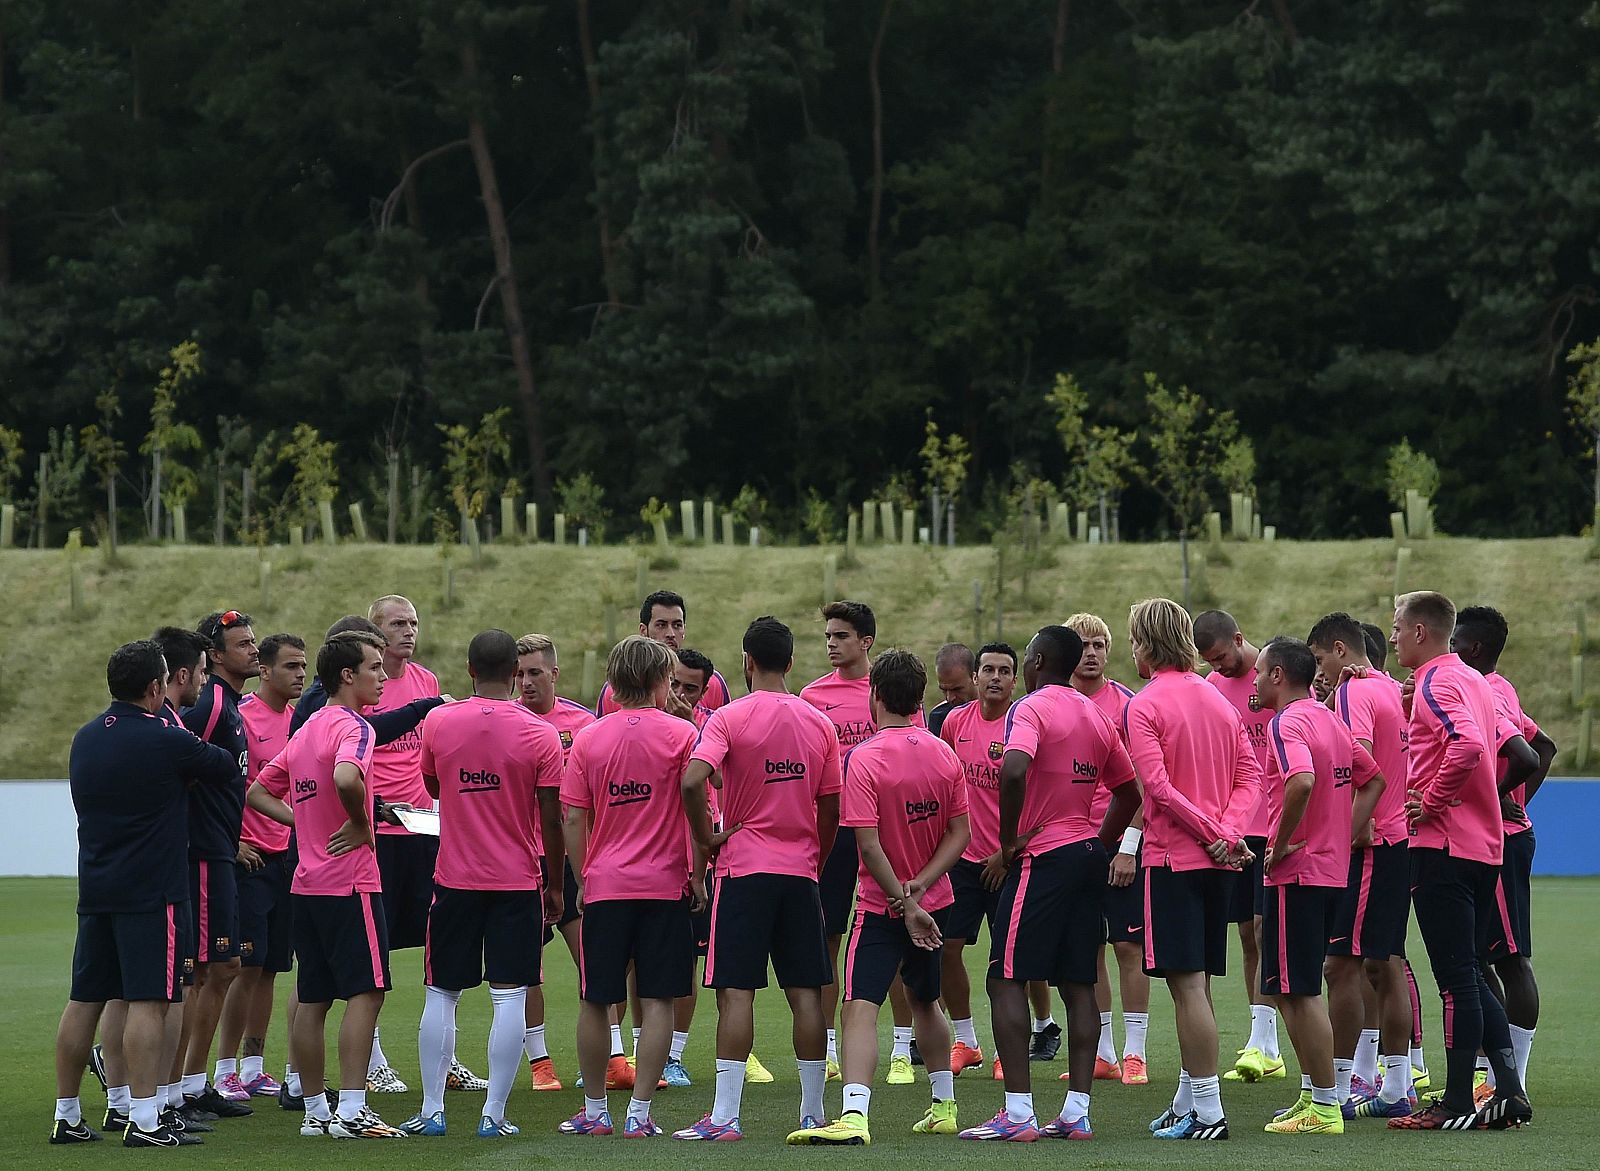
{"points": [[36, 932], [51, 665]]}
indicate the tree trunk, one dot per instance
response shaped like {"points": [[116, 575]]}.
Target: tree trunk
{"points": [[1280, 9], [111, 510], [155, 495], [875, 83], [591, 74], [42, 535], [5, 219], [510, 304], [1105, 527], [394, 495], [1183, 548], [219, 528], [1058, 44]]}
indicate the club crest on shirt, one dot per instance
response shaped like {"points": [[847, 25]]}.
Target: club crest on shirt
{"points": [[247, 949], [566, 739], [997, 749], [222, 943]]}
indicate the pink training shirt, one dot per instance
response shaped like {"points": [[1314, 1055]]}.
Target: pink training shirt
{"points": [[568, 719], [848, 704], [980, 746], [1455, 734], [626, 770], [332, 736], [1075, 751], [490, 756], [1508, 705], [1307, 738], [397, 766], [777, 755], [267, 732], [1238, 692], [907, 784], [714, 696], [1370, 707], [1200, 773], [1112, 700]]}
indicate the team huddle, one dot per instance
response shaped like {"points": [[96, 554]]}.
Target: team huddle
{"points": [[839, 838]]}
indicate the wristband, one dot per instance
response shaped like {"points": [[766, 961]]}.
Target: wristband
{"points": [[1130, 840]]}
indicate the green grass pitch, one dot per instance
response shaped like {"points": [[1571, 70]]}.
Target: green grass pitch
{"points": [[36, 932]]}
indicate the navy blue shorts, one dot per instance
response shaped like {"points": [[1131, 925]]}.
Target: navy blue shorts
{"points": [[1125, 910], [1374, 905], [478, 935], [342, 945], [880, 948], [1295, 930], [1511, 928], [213, 911], [265, 934], [132, 955], [1050, 924], [974, 906], [652, 935], [1186, 916], [1247, 900], [760, 917], [405, 864], [837, 883]]}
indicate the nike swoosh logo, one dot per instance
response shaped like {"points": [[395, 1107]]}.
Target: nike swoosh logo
{"points": [[828, 707], [1338, 939], [963, 739], [263, 739]]}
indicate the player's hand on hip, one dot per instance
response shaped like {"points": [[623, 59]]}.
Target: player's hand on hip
{"points": [[348, 837], [250, 857]]}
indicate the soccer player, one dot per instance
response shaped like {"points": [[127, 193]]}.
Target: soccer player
{"points": [[976, 732], [663, 618], [1312, 814], [495, 768], [906, 798], [843, 695], [130, 775], [1124, 904], [1060, 750], [215, 818], [537, 672], [638, 877], [1457, 845], [1232, 659], [779, 764], [956, 669], [340, 932], [1201, 785], [265, 871], [1365, 968], [1480, 638]]}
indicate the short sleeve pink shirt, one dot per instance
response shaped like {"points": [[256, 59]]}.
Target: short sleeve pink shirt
{"points": [[1112, 700], [848, 705], [332, 736], [1509, 707], [1238, 693], [267, 732], [626, 771], [980, 746], [1075, 750], [1370, 707], [1308, 738], [907, 784], [396, 766]]}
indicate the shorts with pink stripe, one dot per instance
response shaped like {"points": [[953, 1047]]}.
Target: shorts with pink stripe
{"points": [[1294, 938], [1050, 921]]}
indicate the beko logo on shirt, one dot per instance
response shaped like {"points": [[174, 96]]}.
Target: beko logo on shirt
{"points": [[1342, 776], [1085, 770], [304, 790], [920, 811], [629, 792], [785, 770], [479, 782]]}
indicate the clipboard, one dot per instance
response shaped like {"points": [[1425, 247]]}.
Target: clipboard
{"points": [[418, 821]]}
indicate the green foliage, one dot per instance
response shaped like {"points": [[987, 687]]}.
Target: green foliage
{"points": [[749, 507], [1099, 458], [475, 460], [10, 460], [315, 473], [100, 444], [1409, 470], [1236, 466], [169, 437], [1187, 440], [583, 500], [818, 519], [655, 512], [944, 462]]}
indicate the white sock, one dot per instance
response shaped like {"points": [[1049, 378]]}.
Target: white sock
{"points": [[1396, 1078], [1367, 1056], [377, 1060], [1343, 1069], [902, 1043], [944, 1086], [636, 1033], [510, 1008], [435, 1042], [1325, 1096], [1305, 1083], [966, 1032], [533, 1043], [1263, 1030], [118, 1097], [1521, 1046], [291, 1078], [679, 1042], [171, 1095], [351, 1103], [1137, 1027], [1019, 1107], [144, 1113], [251, 1068], [1108, 1047], [638, 1111], [317, 1107], [69, 1110], [1075, 1107], [616, 1040], [813, 1078], [594, 1107], [1183, 1100], [1418, 1059], [194, 1084], [225, 1066], [833, 1046], [857, 1097], [730, 1091], [1040, 1025], [1207, 1098]]}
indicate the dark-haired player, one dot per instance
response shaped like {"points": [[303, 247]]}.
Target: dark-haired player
{"points": [[132, 887], [906, 799], [779, 764], [1050, 923], [663, 618], [955, 668], [1480, 638]]}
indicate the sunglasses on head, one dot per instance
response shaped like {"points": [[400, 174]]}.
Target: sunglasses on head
{"points": [[226, 621]]}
